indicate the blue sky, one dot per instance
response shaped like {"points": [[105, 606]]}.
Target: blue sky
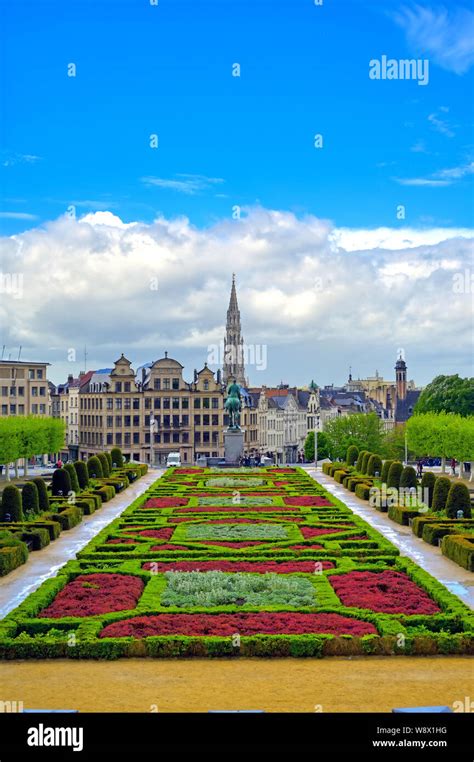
{"points": [[344, 254], [224, 140]]}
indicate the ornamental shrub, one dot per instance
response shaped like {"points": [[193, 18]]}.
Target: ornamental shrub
{"points": [[104, 463], [374, 465], [109, 460], [69, 467], [440, 493], [43, 499], [11, 503], [385, 469], [458, 500], [360, 458], [365, 462], [82, 473], [61, 482], [30, 499], [117, 457], [352, 455], [408, 478], [94, 468], [394, 474], [428, 481]]}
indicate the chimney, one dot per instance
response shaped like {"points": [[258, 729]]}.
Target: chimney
{"points": [[82, 373], [195, 375], [70, 378], [218, 376], [143, 376]]}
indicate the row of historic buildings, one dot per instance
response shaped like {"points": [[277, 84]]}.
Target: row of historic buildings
{"points": [[153, 410]]}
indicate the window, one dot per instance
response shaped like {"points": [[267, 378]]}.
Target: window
{"points": [[205, 436], [34, 391], [205, 402], [118, 386], [215, 437], [12, 391], [42, 391], [175, 403], [175, 437], [39, 373], [157, 438], [197, 420], [43, 409], [12, 409], [110, 439], [34, 409], [185, 420], [157, 403], [197, 403], [147, 403], [215, 420], [31, 373], [21, 410], [136, 403], [215, 403], [4, 391], [166, 421], [147, 437], [4, 409], [166, 437], [205, 420], [110, 421], [166, 403], [118, 404], [176, 422], [118, 420], [197, 437], [127, 403], [147, 420], [175, 383], [110, 403], [166, 383], [118, 439], [157, 384], [185, 436], [126, 386], [127, 420], [127, 438], [184, 403], [136, 437], [136, 420]]}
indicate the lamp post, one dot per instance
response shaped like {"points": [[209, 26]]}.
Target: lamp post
{"points": [[316, 426], [152, 431], [406, 449]]}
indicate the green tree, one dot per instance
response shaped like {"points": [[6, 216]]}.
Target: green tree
{"points": [[30, 499], [393, 447], [447, 394], [11, 504], [445, 435], [323, 451], [364, 430]]}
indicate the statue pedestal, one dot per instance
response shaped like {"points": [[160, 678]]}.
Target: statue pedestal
{"points": [[233, 446]]}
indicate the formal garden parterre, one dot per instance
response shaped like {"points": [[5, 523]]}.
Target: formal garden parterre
{"points": [[251, 562]]}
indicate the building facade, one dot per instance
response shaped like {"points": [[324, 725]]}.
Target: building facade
{"points": [[24, 388], [234, 365]]}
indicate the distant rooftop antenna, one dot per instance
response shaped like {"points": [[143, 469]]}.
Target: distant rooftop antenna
{"points": [[85, 358], [19, 353], [3, 350]]}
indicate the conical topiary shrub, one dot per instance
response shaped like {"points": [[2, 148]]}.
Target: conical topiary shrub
{"points": [[94, 468], [109, 460], [43, 499], [82, 473], [394, 475], [408, 478], [352, 455], [30, 499], [440, 493], [104, 463], [458, 500], [69, 467], [61, 483], [374, 465], [428, 481], [11, 508], [117, 457], [385, 470], [360, 458], [365, 462]]}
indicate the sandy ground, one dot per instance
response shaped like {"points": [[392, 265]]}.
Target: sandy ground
{"points": [[338, 684]]}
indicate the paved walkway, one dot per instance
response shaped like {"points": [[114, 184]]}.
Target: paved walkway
{"points": [[43, 564], [458, 580]]}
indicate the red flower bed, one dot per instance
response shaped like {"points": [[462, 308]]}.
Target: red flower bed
{"points": [[308, 500], [237, 508], [164, 533], [243, 492], [263, 567], [306, 547], [179, 520], [280, 484], [358, 537], [226, 625], [118, 541], [165, 502], [188, 471], [228, 544], [167, 546], [91, 594], [283, 471], [390, 592], [309, 532]]}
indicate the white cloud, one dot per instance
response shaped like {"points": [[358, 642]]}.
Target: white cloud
{"points": [[10, 158], [303, 286], [184, 183], [18, 216], [446, 36], [441, 177], [441, 125]]}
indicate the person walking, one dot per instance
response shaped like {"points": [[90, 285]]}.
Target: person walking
{"points": [[453, 466]]}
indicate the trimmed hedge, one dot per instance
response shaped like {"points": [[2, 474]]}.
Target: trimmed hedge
{"points": [[38, 536], [352, 455], [374, 465], [61, 482], [440, 493], [427, 483], [402, 515], [30, 499], [385, 470], [362, 491], [43, 499], [82, 473], [365, 462], [13, 552], [69, 467], [94, 468], [394, 475], [68, 519], [460, 549], [104, 464], [117, 457], [109, 461], [360, 458], [408, 478], [11, 504], [458, 500]]}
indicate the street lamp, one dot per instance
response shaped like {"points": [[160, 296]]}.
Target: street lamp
{"points": [[406, 449], [152, 431]]}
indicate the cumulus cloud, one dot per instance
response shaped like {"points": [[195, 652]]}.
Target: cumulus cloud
{"points": [[312, 293]]}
